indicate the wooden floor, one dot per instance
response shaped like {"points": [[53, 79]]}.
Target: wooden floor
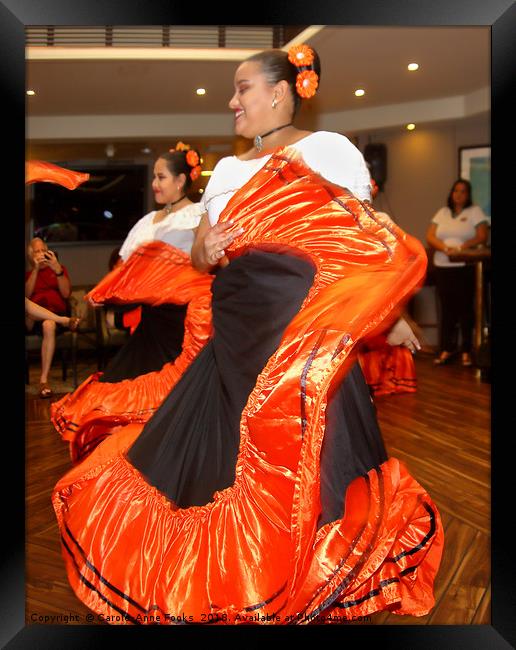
{"points": [[441, 433]]}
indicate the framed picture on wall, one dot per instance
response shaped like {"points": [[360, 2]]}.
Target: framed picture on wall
{"points": [[475, 166]]}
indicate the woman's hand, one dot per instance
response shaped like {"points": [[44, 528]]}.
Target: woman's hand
{"points": [[401, 334], [52, 261], [216, 240]]}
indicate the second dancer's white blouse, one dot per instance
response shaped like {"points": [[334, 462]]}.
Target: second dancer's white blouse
{"points": [[176, 229], [330, 154]]}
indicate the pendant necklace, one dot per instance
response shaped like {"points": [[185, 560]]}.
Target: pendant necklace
{"points": [[258, 139], [168, 208]]}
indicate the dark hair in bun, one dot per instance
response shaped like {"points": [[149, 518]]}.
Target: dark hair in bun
{"points": [[177, 164], [277, 67]]}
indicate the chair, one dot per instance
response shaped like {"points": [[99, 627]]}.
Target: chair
{"points": [[84, 337], [69, 343], [64, 348]]}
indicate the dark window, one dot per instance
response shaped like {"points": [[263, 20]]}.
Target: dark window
{"points": [[104, 208]]}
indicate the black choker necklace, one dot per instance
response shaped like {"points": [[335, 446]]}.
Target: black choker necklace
{"points": [[258, 139], [168, 207]]}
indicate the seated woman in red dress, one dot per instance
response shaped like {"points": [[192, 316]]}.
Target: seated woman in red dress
{"points": [[47, 284]]}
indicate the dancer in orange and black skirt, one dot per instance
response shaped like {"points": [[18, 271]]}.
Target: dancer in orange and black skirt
{"points": [[260, 491], [155, 272]]}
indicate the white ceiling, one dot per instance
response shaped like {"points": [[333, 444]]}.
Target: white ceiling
{"points": [[454, 62]]}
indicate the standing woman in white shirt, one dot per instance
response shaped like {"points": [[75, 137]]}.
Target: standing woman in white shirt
{"points": [[260, 491], [460, 225]]}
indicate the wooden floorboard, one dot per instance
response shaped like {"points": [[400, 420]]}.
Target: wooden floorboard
{"points": [[441, 433]]}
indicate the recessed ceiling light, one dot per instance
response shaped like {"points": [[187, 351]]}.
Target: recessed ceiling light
{"points": [[31, 92], [359, 92], [411, 127], [413, 66], [201, 91]]}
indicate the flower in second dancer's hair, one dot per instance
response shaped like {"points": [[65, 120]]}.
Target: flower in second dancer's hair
{"points": [[192, 158], [195, 173]]}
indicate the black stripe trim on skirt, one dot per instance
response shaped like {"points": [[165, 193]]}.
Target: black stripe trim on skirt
{"points": [[371, 594], [423, 542], [364, 557], [90, 586], [304, 374], [104, 581], [344, 559]]}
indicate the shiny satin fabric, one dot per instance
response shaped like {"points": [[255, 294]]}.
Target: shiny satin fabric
{"points": [[254, 554], [40, 171], [388, 369], [155, 274], [131, 318]]}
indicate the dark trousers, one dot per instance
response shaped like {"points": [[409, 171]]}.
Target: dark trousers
{"points": [[455, 288]]}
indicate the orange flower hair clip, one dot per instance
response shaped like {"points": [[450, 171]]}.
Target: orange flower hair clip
{"points": [[192, 158], [307, 80], [195, 173], [301, 55], [306, 83]]}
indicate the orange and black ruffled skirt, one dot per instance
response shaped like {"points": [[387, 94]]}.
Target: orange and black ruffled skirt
{"points": [[175, 324], [141, 546], [388, 369]]}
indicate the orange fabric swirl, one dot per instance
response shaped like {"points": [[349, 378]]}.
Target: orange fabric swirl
{"points": [[40, 171], [156, 273], [254, 554]]}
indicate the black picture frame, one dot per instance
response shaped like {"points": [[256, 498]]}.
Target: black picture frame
{"points": [[14, 16]]}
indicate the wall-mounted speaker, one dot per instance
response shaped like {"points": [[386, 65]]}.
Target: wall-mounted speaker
{"points": [[375, 155]]}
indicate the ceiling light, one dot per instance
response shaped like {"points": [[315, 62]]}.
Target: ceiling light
{"points": [[206, 173], [411, 127], [201, 191], [201, 91], [31, 92], [146, 150], [359, 92], [412, 66]]}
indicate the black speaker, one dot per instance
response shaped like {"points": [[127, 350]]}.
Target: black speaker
{"points": [[376, 156]]}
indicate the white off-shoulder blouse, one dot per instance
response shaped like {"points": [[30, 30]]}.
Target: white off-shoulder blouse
{"points": [[330, 154], [177, 229]]}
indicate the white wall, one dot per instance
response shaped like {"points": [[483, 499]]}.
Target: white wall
{"points": [[422, 166], [86, 263]]}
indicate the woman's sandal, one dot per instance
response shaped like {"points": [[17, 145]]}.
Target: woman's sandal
{"points": [[45, 391], [466, 359], [443, 358], [74, 323]]}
